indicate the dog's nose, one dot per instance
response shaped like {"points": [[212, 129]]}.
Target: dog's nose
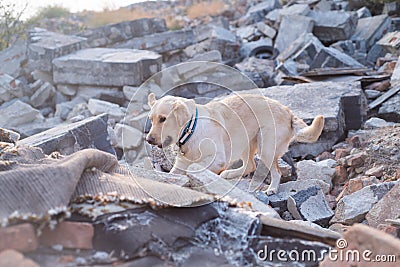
{"points": [[151, 140]]}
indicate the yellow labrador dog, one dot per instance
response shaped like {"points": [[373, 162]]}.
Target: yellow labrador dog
{"points": [[221, 132]]}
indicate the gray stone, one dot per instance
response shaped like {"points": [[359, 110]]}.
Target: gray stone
{"points": [[260, 71], [247, 32], [296, 186], [346, 47], [64, 109], [310, 205], [390, 110], [44, 46], [138, 122], [106, 67], [88, 92], [44, 76], [12, 58], [298, 45], [323, 170], [212, 56], [291, 28], [67, 89], [69, 138], [372, 94], [118, 32], [370, 30], [329, 57], [259, 47], [43, 96], [17, 114], [333, 26], [128, 137], [374, 123], [353, 208], [266, 30], [10, 88], [363, 12], [161, 42], [258, 11], [97, 107], [391, 42], [8, 136]]}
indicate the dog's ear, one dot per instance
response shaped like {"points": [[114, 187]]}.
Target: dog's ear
{"points": [[181, 112], [151, 99]]}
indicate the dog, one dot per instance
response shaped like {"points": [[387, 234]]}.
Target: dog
{"points": [[221, 132]]}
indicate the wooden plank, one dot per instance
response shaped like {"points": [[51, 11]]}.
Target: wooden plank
{"points": [[377, 102]]}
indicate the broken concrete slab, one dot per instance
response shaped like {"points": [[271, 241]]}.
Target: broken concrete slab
{"points": [[374, 123], [106, 67], [258, 11], [118, 32], [310, 205], [69, 138], [266, 30], [333, 26], [43, 96], [299, 45], [353, 208], [322, 170], [12, 58], [370, 30], [330, 57], [18, 113], [97, 107], [291, 28], [391, 43], [44, 46], [127, 136], [260, 71], [161, 42], [363, 12], [212, 56], [67, 89], [10, 88]]}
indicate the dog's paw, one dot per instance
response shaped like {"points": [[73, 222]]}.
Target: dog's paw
{"points": [[271, 191]]}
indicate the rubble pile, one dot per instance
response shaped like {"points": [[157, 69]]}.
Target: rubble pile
{"points": [[73, 115]]}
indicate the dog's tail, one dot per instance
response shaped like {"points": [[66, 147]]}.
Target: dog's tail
{"points": [[305, 133]]}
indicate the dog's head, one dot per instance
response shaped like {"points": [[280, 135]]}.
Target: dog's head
{"points": [[168, 116]]}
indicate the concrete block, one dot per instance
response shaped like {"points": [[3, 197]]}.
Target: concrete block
{"points": [[329, 57], [106, 67], [97, 107], [161, 42], [258, 11], [391, 42], [21, 237], [44, 46], [127, 136], [310, 205], [17, 114], [69, 138], [333, 26], [323, 170], [44, 96], [370, 30], [12, 58], [291, 28], [10, 88]]}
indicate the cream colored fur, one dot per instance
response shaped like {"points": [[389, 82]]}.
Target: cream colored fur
{"points": [[234, 128]]}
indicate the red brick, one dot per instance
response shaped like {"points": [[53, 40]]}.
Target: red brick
{"points": [[325, 155], [20, 237], [342, 152], [340, 175], [69, 235], [12, 258]]}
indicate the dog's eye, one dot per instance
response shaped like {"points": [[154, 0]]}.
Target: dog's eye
{"points": [[162, 119]]}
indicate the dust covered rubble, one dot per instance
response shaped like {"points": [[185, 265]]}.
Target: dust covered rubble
{"points": [[66, 93]]}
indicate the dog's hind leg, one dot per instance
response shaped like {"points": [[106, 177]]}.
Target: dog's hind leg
{"points": [[250, 164]]}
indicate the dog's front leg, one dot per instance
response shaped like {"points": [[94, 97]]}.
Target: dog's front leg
{"points": [[181, 165]]}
